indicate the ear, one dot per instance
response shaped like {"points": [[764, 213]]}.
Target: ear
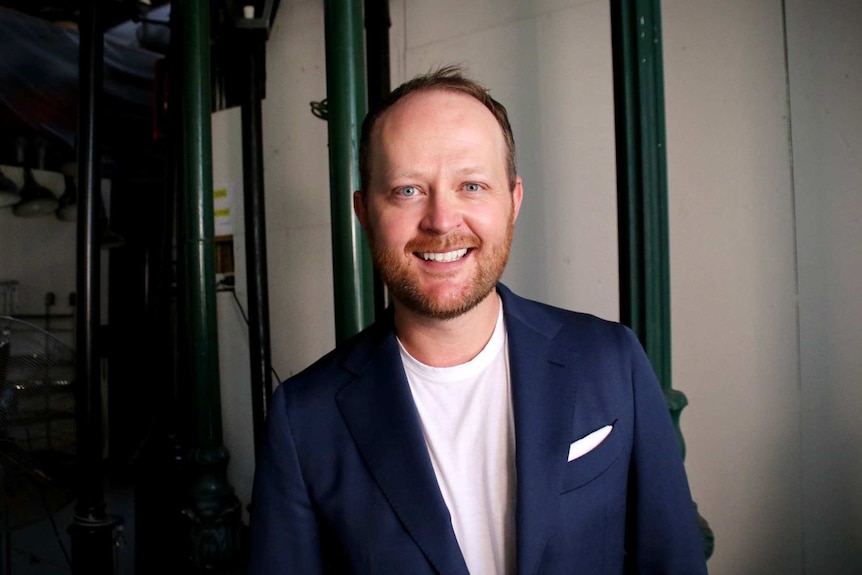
{"points": [[359, 208], [517, 197]]}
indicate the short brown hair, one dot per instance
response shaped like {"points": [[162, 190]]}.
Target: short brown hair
{"points": [[445, 78]]}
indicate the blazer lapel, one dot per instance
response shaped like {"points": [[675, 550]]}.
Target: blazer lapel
{"points": [[379, 410], [543, 376]]}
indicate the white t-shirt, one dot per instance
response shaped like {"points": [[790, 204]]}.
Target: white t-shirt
{"points": [[466, 417]]}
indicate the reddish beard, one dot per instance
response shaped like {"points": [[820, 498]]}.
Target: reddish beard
{"points": [[398, 272]]}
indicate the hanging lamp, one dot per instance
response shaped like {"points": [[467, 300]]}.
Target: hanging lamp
{"points": [[9, 194], [36, 199], [68, 209]]}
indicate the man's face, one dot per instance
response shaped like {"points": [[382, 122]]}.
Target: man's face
{"points": [[439, 212]]}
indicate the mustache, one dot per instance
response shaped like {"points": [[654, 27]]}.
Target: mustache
{"points": [[443, 244]]}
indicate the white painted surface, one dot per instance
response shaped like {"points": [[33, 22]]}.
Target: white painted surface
{"points": [[825, 54], [296, 161], [733, 277], [233, 348]]}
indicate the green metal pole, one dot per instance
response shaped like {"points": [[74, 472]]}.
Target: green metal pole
{"points": [[642, 179], [199, 272], [214, 510], [345, 90], [642, 192]]}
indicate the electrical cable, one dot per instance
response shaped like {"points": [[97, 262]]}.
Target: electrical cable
{"points": [[227, 284]]}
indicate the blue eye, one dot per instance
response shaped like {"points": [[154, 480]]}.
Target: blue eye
{"points": [[472, 187], [408, 191]]}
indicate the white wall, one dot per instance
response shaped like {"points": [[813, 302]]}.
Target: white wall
{"points": [[233, 348], [825, 55], [733, 277], [296, 160], [773, 436]]}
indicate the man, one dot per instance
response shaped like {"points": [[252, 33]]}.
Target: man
{"points": [[469, 430]]}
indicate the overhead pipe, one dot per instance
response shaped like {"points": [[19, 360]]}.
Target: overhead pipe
{"points": [[345, 90], [644, 259], [92, 528], [214, 510]]}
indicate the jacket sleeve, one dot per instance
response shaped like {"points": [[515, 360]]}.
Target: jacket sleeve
{"points": [[284, 534], [662, 536]]}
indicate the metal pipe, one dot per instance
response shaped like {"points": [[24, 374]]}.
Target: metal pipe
{"points": [[160, 465], [255, 232], [345, 87], [377, 24], [642, 193], [214, 510], [92, 529], [198, 244], [642, 181], [642, 185]]}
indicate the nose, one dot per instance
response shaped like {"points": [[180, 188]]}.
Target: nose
{"points": [[442, 214]]}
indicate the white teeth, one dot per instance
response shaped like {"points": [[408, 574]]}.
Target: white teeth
{"points": [[445, 256]]}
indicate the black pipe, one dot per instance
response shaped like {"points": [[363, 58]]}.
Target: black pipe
{"points": [[160, 462], [377, 24], [92, 529], [255, 231]]}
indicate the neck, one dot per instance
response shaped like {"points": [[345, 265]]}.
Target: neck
{"points": [[447, 342]]}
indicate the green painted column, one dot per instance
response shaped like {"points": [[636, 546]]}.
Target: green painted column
{"points": [[642, 192], [213, 510], [642, 179], [346, 107]]}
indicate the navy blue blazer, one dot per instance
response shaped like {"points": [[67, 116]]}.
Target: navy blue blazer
{"points": [[345, 484]]}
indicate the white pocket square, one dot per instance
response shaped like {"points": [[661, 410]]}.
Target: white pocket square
{"points": [[589, 442]]}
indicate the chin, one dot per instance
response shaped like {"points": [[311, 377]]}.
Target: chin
{"points": [[443, 306]]}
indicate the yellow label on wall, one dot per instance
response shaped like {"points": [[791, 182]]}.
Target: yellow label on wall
{"points": [[222, 204]]}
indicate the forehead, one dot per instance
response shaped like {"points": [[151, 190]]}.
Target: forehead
{"points": [[435, 117], [440, 102]]}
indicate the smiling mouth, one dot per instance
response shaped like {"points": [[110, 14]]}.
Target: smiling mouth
{"points": [[452, 256]]}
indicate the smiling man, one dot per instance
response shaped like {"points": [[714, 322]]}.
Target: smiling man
{"points": [[469, 430]]}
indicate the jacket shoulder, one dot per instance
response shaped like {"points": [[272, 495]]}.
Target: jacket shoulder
{"points": [[567, 326], [329, 373]]}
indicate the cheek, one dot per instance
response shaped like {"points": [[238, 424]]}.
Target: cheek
{"points": [[398, 217], [388, 229], [492, 223]]}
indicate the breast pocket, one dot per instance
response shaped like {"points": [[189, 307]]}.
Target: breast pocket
{"points": [[589, 466]]}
